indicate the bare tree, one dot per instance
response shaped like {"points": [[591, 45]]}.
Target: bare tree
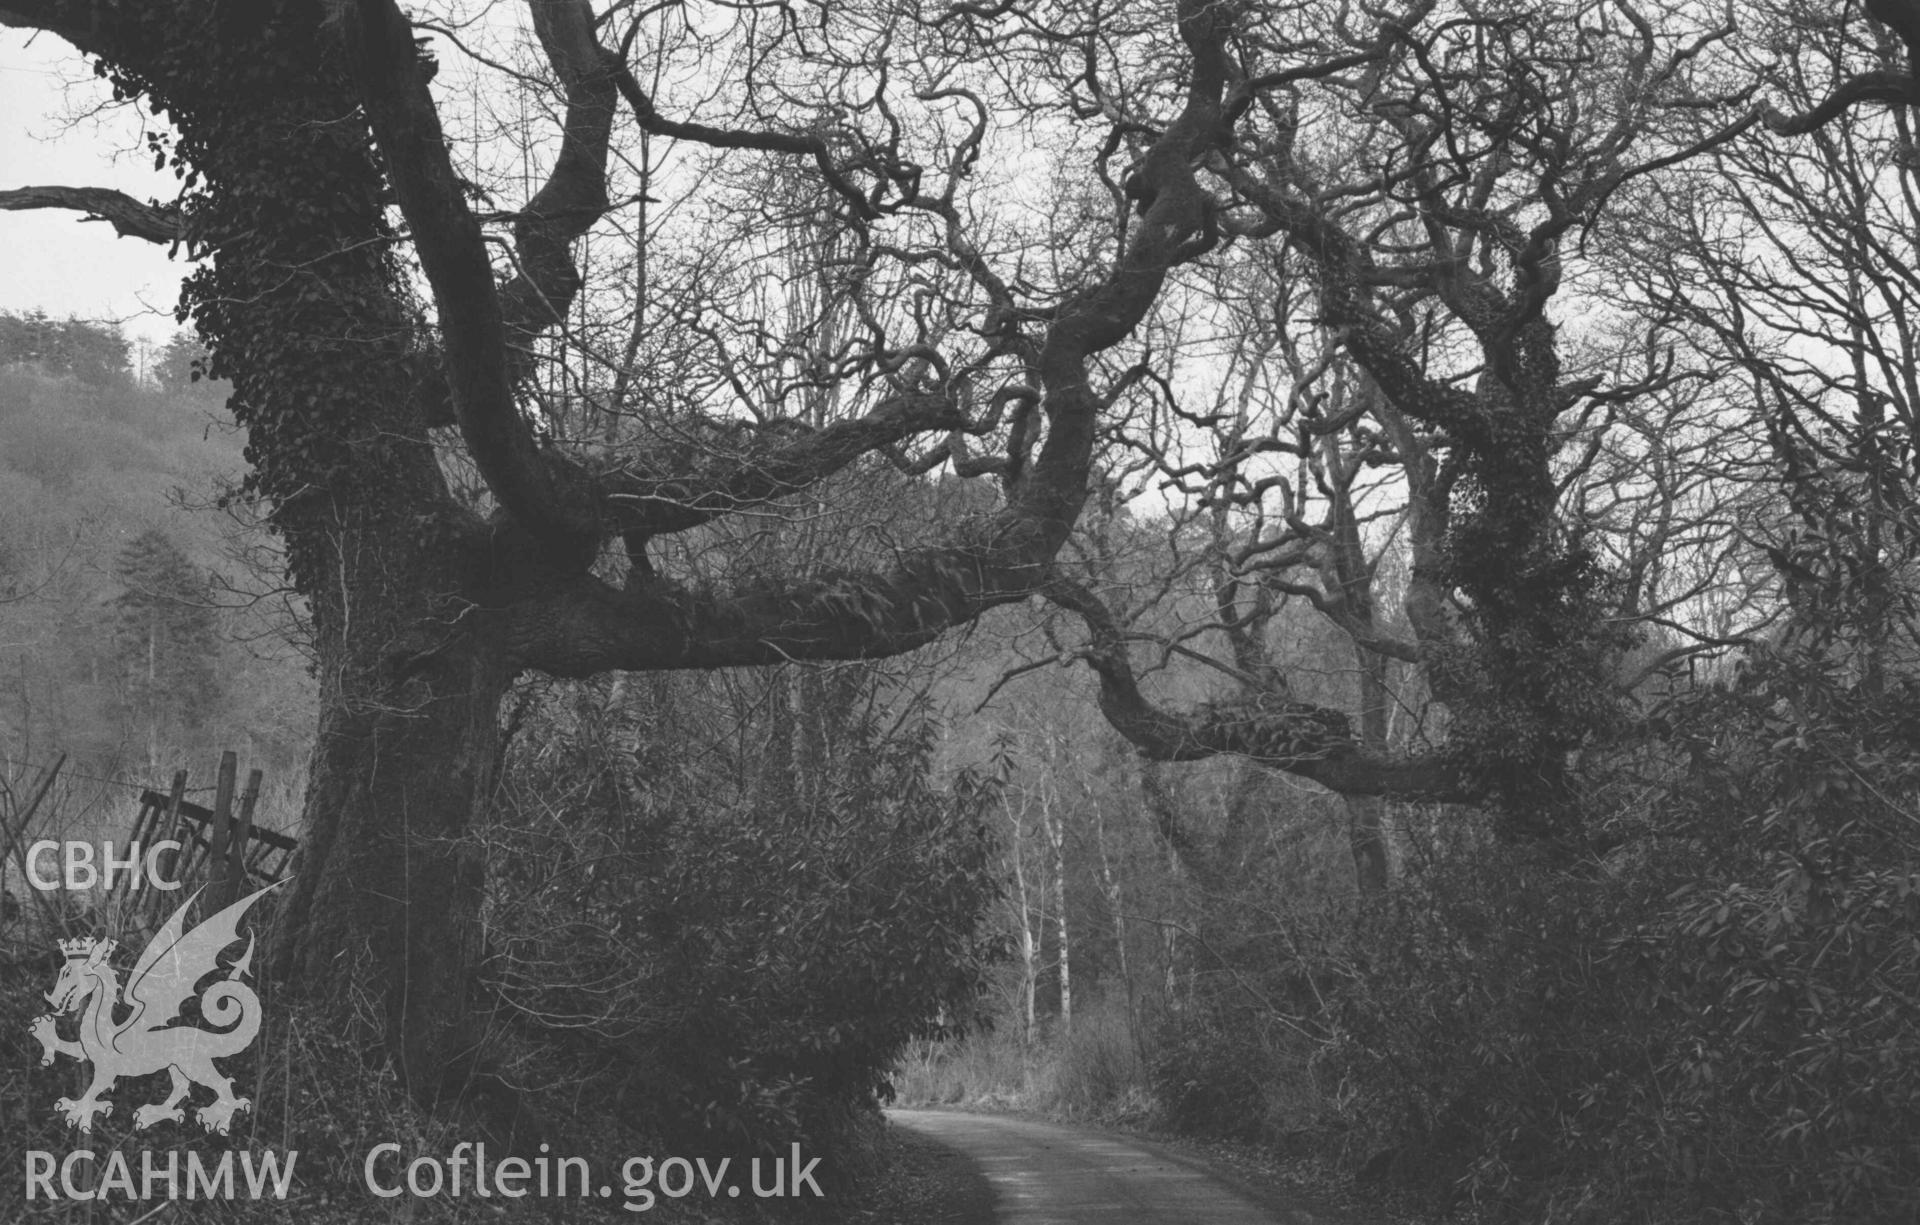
{"points": [[1434, 174], [1789, 254]]}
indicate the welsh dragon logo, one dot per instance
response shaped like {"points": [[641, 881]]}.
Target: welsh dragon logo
{"points": [[147, 1038]]}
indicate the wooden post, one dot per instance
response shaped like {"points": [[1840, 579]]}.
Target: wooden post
{"points": [[170, 822], [242, 830], [147, 820], [221, 835], [167, 825]]}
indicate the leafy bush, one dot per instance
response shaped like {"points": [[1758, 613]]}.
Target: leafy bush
{"points": [[1230, 1057], [1206, 1082], [751, 954], [1713, 1020], [1793, 969], [1477, 1010]]}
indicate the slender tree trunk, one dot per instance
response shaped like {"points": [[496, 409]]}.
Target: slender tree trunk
{"points": [[152, 702], [1170, 962], [1117, 915], [1029, 979], [1023, 905], [1056, 837]]}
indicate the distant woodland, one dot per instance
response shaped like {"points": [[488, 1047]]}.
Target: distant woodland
{"points": [[139, 631]]}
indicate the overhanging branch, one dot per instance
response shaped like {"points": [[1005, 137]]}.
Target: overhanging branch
{"points": [[587, 626], [73, 20], [686, 497], [1311, 742], [158, 223]]}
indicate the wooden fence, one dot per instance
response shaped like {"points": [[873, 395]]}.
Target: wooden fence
{"points": [[226, 848]]}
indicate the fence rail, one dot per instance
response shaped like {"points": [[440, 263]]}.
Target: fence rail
{"points": [[226, 847]]}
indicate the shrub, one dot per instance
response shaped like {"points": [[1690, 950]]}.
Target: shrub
{"points": [[1713, 1020], [1206, 1081], [750, 958]]}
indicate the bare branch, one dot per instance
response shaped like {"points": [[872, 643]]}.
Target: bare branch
{"points": [[588, 626], [1311, 742], [687, 498], [1886, 88], [158, 223]]}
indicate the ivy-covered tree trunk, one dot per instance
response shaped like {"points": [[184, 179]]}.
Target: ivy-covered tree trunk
{"points": [[387, 903], [304, 313], [301, 305]]}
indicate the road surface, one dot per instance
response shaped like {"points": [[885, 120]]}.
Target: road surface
{"points": [[1043, 1174]]}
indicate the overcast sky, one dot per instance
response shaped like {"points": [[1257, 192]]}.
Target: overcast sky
{"points": [[49, 258]]}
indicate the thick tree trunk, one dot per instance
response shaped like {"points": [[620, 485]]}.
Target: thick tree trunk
{"points": [[388, 899], [300, 302]]}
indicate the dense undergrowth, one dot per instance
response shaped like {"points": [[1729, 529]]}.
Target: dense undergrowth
{"points": [[685, 958], [1709, 1015], [734, 947]]}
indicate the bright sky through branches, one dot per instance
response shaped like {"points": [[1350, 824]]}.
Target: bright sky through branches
{"points": [[52, 260]]}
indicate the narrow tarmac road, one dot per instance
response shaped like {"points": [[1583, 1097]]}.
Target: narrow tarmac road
{"points": [[1043, 1174]]}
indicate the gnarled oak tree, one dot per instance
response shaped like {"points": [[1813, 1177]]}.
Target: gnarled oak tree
{"points": [[301, 124]]}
